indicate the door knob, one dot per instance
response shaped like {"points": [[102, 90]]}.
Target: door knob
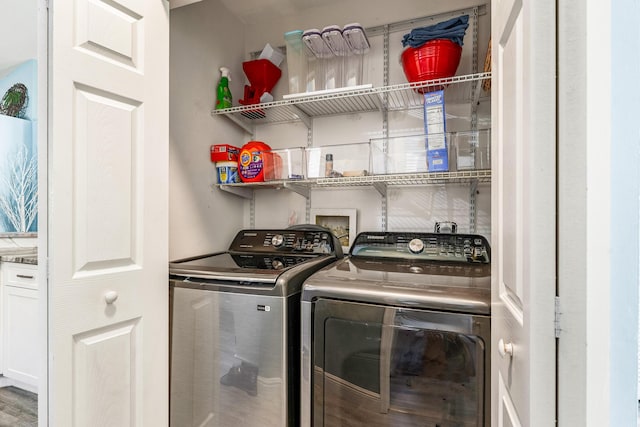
{"points": [[505, 348], [110, 297]]}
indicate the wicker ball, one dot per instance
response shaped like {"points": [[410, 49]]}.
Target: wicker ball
{"points": [[14, 101]]}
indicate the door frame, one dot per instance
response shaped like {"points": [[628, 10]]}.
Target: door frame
{"points": [[598, 225], [43, 26]]}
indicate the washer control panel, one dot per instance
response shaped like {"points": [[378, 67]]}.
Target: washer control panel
{"points": [[424, 246], [283, 241]]}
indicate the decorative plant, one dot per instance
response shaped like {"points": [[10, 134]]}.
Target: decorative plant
{"points": [[19, 180], [14, 101]]}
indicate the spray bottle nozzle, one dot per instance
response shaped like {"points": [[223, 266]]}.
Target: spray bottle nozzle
{"points": [[225, 72]]}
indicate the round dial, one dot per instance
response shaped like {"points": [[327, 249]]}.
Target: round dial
{"points": [[416, 246], [277, 240], [277, 264]]}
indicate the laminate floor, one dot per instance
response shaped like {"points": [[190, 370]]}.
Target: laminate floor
{"points": [[18, 408]]}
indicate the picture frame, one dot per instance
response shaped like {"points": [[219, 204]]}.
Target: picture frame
{"points": [[342, 222]]}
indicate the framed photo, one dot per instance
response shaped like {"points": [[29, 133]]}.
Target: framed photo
{"points": [[342, 222]]}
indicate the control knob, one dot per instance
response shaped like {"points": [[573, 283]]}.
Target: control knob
{"points": [[277, 264], [277, 240], [416, 246]]}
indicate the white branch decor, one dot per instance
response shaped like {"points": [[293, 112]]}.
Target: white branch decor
{"points": [[19, 200]]}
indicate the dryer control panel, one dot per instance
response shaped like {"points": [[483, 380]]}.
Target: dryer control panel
{"points": [[469, 248]]}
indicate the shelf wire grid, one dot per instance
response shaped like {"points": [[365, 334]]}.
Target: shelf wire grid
{"points": [[399, 97], [408, 179]]}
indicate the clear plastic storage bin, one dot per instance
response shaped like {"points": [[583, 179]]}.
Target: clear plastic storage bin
{"points": [[404, 154], [470, 150], [333, 161], [285, 163], [467, 150]]}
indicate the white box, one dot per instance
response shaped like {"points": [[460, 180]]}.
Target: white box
{"points": [[273, 55]]}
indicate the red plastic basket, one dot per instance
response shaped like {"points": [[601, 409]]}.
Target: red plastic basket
{"points": [[436, 59]]}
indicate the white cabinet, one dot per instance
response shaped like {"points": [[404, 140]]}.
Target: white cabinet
{"points": [[20, 322]]}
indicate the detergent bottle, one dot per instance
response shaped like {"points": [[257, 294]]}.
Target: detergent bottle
{"points": [[223, 95]]}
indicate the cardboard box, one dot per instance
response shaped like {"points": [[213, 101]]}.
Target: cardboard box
{"points": [[224, 153], [435, 128]]}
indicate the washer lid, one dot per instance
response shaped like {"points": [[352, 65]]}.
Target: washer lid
{"points": [[240, 267]]}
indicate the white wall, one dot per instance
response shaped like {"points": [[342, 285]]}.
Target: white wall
{"points": [[204, 36], [598, 191], [18, 35], [268, 24], [625, 208]]}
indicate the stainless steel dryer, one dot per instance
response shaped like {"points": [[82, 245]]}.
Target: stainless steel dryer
{"points": [[398, 334], [235, 322]]}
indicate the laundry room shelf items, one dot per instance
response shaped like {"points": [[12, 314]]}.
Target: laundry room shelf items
{"points": [[393, 158], [397, 97]]}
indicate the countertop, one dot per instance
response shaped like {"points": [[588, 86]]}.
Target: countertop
{"points": [[19, 255]]}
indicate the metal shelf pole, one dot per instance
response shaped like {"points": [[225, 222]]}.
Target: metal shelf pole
{"points": [[385, 124]]}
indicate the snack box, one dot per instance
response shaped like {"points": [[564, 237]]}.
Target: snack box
{"points": [[435, 127], [224, 153]]}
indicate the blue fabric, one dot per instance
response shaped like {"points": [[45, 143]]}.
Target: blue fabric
{"points": [[453, 29]]}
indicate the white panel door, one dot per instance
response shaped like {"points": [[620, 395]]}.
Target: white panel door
{"points": [[523, 213], [108, 213]]}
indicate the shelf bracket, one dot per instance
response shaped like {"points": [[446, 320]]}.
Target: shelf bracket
{"points": [[299, 189], [304, 117], [472, 206], [239, 122], [245, 193], [384, 214], [381, 188]]}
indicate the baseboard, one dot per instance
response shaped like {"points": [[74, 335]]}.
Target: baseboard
{"points": [[8, 382]]}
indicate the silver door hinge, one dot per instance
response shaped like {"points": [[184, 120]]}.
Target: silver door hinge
{"points": [[556, 317]]}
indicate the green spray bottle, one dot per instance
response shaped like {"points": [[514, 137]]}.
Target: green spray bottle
{"points": [[223, 95]]}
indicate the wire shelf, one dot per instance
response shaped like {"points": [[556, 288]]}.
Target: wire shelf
{"points": [[411, 179], [398, 97]]}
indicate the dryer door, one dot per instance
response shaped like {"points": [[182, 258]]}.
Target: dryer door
{"points": [[388, 366]]}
